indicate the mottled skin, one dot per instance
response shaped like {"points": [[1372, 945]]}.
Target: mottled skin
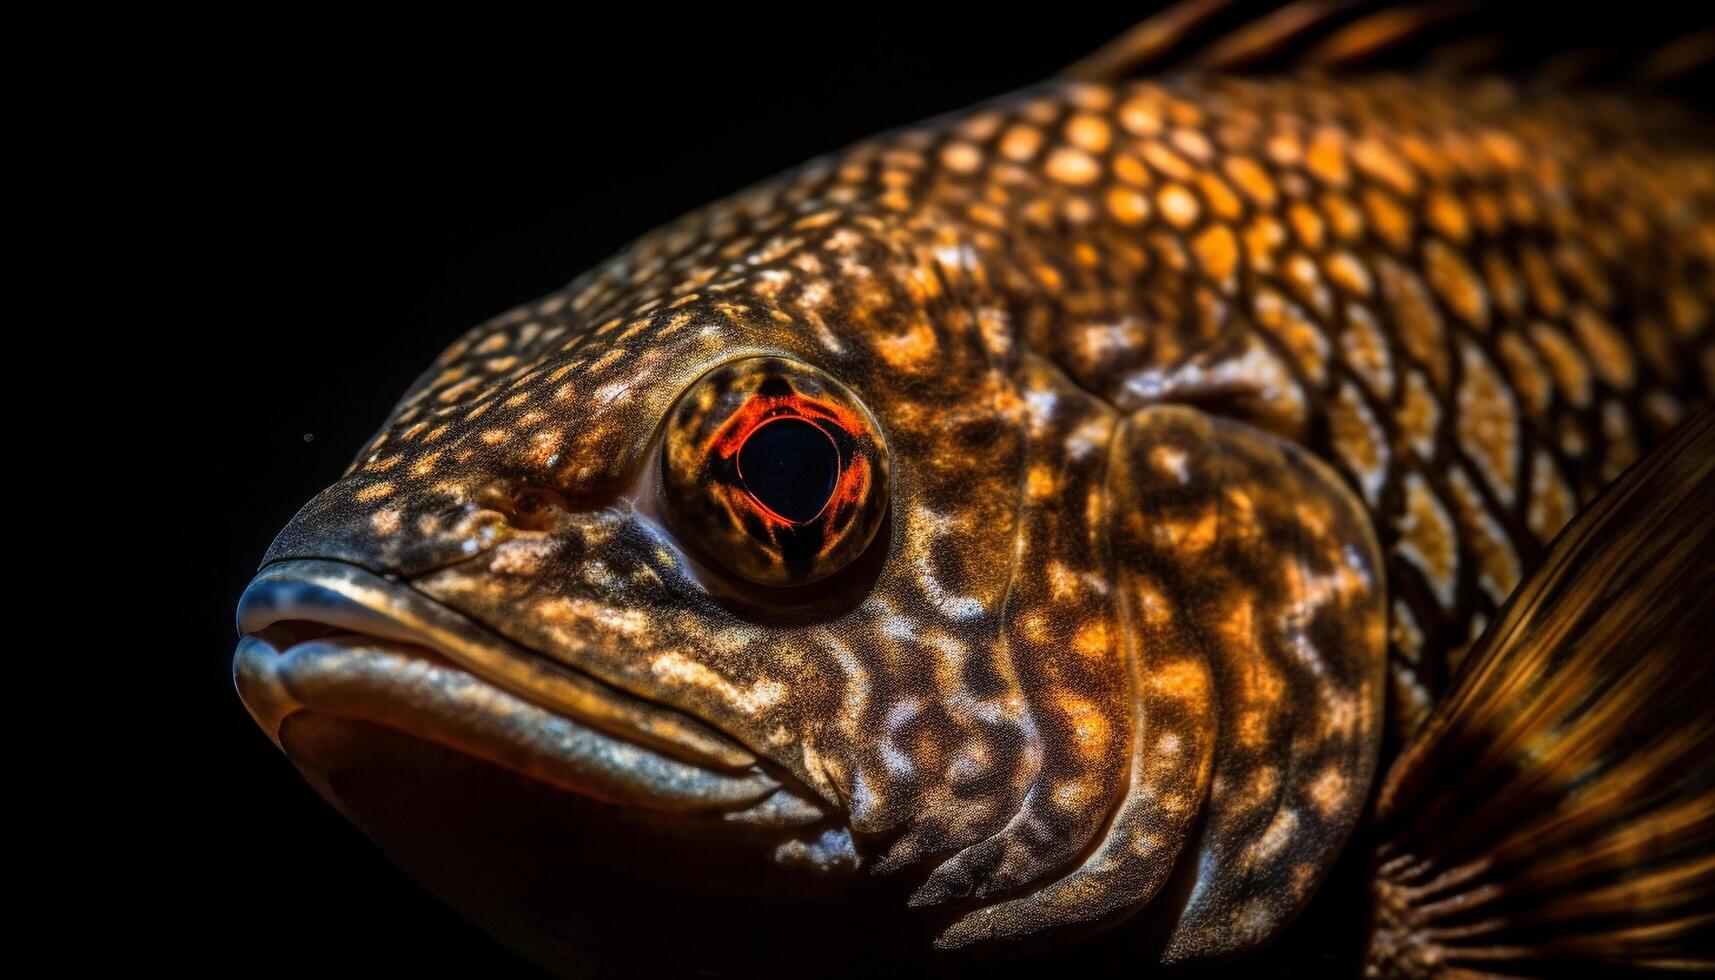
{"points": [[1219, 414]]}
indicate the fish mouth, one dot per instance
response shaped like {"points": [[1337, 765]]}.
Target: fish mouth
{"points": [[328, 638]]}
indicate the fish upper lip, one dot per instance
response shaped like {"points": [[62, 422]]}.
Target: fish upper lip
{"points": [[317, 619]]}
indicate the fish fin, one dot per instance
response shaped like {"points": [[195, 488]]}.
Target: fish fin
{"points": [[1147, 45], [1557, 813], [1528, 41], [1678, 59], [1228, 36]]}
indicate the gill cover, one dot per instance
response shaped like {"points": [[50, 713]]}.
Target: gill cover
{"points": [[1247, 607]]}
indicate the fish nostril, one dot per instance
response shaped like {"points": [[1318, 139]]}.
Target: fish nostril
{"points": [[529, 508]]}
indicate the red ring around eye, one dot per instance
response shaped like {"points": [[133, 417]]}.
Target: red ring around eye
{"points": [[836, 423], [761, 409]]}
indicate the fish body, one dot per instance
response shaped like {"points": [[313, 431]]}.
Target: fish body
{"points": [[1170, 444]]}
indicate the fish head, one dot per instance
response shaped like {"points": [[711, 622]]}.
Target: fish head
{"points": [[728, 558], [800, 574]]}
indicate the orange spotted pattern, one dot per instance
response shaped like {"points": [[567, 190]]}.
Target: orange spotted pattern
{"points": [[1444, 314]]}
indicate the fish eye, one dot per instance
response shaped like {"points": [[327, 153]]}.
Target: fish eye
{"points": [[775, 469]]}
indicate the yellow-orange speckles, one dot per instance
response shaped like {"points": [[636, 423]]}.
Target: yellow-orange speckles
{"points": [[1178, 205], [1264, 238], [1545, 289], [1551, 500], [1089, 727], [980, 126], [1070, 165], [1285, 149], [1565, 362], [1391, 221], [375, 491], [1193, 144], [1348, 274], [1072, 795], [1141, 116], [1192, 534], [1130, 170], [1456, 283], [385, 521], [1580, 270], [1419, 415], [1093, 640], [1365, 350], [1252, 180], [1039, 483], [1404, 633], [1151, 604], [961, 157], [1306, 224], [1426, 539], [1328, 791], [1497, 563], [1687, 312], [1609, 355], [1020, 143], [1217, 251], [1415, 318], [1185, 679], [1128, 205], [1505, 287], [1287, 322], [912, 350], [1168, 163], [1223, 203], [1359, 441], [453, 393], [1379, 163], [1487, 423], [1325, 158], [1171, 462], [1305, 278], [1344, 218], [1089, 132], [427, 464], [1447, 216], [1524, 369]]}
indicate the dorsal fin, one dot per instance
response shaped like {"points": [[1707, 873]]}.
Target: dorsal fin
{"points": [[1677, 59], [1368, 37], [1270, 34], [1146, 44], [1650, 48]]}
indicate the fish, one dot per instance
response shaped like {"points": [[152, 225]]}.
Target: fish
{"points": [[1170, 516]]}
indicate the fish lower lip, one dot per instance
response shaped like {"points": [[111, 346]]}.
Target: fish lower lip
{"points": [[332, 638]]}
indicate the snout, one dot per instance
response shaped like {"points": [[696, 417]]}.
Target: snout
{"points": [[326, 638]]}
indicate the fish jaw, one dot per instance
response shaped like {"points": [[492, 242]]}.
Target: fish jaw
{"points": [[327, 638]]}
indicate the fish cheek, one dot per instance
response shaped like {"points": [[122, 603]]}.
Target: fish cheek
{"points": [[1249, 585], [1279, 573]]}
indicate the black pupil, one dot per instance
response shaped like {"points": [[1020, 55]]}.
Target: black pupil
{"points": [[790, 466]]}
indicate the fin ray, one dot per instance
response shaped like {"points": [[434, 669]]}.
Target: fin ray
{"points": [[1559, 807]]}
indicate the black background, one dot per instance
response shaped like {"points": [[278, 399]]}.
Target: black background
{"points": [[365, 192]]}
